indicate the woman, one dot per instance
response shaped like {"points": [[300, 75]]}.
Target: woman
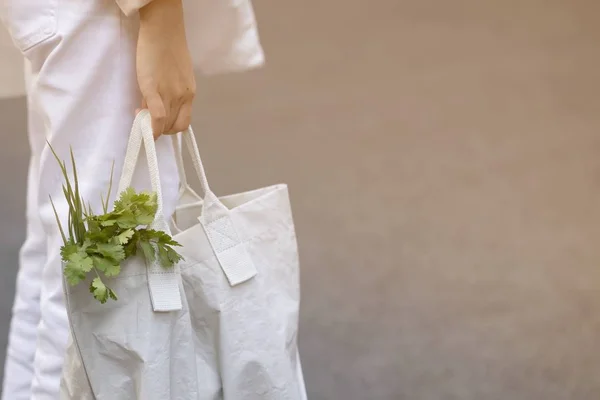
{"points": [[91, 64]]}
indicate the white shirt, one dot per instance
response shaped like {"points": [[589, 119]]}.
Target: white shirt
{"points": [[222, 36]]}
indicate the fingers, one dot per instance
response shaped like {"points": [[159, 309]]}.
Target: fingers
{"points": [[181, 110], [158, 113], [169, 118], [184, 119], [175, 105], [181, 117]]}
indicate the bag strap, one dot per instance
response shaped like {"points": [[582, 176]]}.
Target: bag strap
{"points": [[190, 142], [177, 144], [163, 283], [216, 219]]}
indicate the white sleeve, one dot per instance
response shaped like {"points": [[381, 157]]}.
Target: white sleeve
{"points": [[222, 34], [130, 7]]}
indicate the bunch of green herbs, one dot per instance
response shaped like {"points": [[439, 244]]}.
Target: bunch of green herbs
{"points": [[97, 245]]}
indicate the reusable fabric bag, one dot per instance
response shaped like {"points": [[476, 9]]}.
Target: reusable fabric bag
{"points": [[221, 325]]}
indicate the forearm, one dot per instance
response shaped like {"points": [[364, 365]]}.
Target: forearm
{"points": [[168, 11], [164, 66], [164, 17]]}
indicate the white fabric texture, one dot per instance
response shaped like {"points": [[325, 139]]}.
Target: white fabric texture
{"points": [[222, 34], [164, 287], [230, 339], [82, 94]]}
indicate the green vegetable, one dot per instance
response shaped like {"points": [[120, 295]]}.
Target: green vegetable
{"points": [[100, 291], [99, 244]]}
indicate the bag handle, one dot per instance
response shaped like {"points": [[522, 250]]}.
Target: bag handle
{"points": [[163, 283], [216, 219], [190, 142], [180, 168]]}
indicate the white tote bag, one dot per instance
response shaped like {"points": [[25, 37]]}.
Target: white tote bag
{"points": [[221, 325]]}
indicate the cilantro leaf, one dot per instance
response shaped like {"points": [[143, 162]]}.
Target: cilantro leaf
{"points": [[131, 247], [167, 256], [160, 243], [108, 219], [124, 199], [108, 222], [67, 250], [148, 250], [101, 263], [102, 235], [125, 236], [113, 270], [163, 256], [112, 251], [83, 260], [174, 256], [145, 206], [127, 220], [144, 219], [101, 292], [77, 266], [136, 208], [73, 273], [86, 244], [109, 267], [93, 225], [159, 237]]}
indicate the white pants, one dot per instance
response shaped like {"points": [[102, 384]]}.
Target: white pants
{"points": [[81, 94]]}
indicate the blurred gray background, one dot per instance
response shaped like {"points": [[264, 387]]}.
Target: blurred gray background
{"points": [[444, 165]]}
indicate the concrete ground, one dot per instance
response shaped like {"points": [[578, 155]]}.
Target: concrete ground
{"points": [[444, 165]]}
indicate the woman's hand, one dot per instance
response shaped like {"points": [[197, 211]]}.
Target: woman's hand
{"points": [[164, 67]]}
